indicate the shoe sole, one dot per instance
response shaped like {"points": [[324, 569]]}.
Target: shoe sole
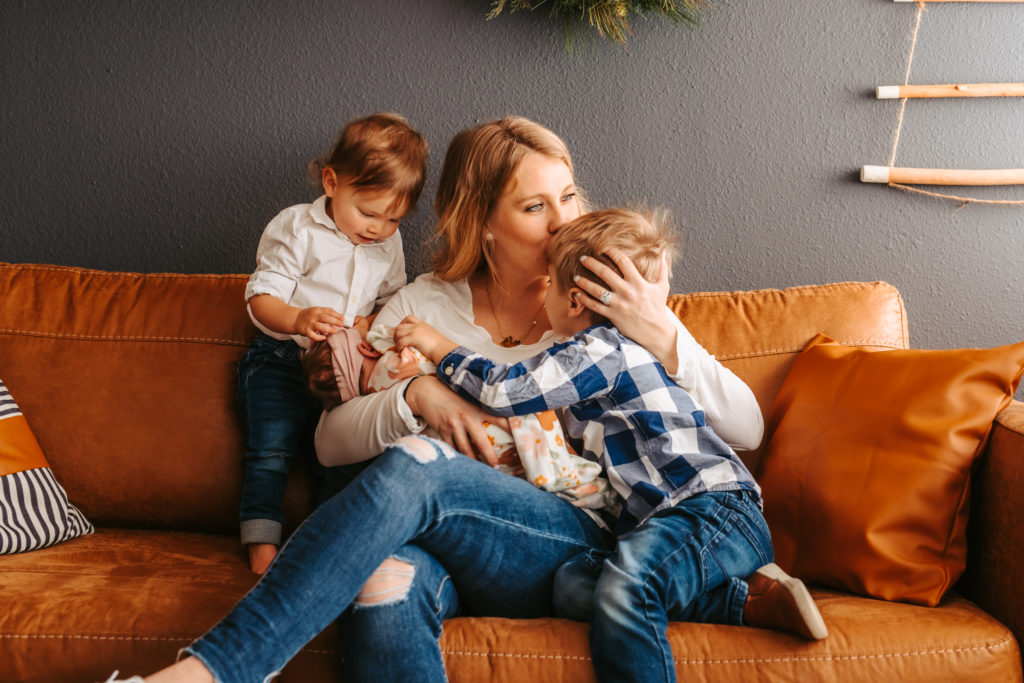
{"points": [[804, 602]]}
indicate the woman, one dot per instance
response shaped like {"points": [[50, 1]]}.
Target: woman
{"points": [[429, 532]]}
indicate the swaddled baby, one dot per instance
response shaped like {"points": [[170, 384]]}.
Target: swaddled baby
{"points": [[360, 360]]}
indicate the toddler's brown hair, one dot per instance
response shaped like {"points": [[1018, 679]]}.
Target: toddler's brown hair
{"points": [[378, 152]]}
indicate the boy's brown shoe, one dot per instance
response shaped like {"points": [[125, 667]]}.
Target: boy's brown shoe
{"points": [[778, 601]]}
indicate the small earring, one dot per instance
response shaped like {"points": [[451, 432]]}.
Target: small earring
{"points": [[489, 236]]}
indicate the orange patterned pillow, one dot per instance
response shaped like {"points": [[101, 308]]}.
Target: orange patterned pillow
{"points": [[34, 510], [866, 475]]}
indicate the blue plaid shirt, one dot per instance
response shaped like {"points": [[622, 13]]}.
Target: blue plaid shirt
{"points": [[623, 411]]}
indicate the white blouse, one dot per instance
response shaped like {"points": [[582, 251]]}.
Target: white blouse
{"points": [[362, 427]]}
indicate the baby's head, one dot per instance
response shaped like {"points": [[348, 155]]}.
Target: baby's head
{"points": [[345, 364], [376, 169], [334, 367], [642, 237]]}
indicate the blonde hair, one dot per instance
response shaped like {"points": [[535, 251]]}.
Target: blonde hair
{"points": [[378, 152], [479, 164], [643, 237]]}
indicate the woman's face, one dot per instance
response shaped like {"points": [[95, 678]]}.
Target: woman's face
{"points": [[540, 198]]}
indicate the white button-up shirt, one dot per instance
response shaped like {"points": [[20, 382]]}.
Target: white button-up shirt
{"points": [[304, 260]]}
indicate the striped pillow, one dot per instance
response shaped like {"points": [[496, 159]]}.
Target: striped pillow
{"points": [[34, 510]]}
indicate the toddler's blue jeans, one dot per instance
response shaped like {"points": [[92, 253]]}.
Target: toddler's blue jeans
{"points": [[686, 563], [497, 539], [279, 416]]}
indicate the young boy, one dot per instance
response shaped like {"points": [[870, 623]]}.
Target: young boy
{"points": [[319, 266], [691, 522]]}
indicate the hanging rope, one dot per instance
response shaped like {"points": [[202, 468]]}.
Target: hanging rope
{"points": [[964, 201], [906, 81]]}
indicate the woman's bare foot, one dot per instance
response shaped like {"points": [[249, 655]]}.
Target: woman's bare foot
{"points": [[188, 670], [261, 555]]}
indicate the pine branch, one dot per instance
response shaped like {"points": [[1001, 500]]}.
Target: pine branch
{"points": [[610, 18]]}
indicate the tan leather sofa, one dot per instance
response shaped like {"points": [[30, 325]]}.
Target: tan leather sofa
{"points": [[127, 381]]}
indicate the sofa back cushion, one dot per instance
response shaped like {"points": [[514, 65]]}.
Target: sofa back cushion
{"points": [[128, 380], [759, 334]]}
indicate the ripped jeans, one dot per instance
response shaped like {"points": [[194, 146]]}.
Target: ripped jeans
{"points": [[445, 520]]}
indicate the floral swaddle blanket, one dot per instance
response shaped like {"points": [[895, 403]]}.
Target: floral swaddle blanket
{"points": [[533, 448]]}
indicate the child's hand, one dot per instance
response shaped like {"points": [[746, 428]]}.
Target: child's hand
{"points": [[316, 322], [362, 325], [414, 332]]}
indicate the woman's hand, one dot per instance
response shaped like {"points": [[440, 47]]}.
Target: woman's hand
{"points": [[636, 307], [457, 421]]}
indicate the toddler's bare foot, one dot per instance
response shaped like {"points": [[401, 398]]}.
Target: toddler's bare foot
{"points": [[261, 555]]}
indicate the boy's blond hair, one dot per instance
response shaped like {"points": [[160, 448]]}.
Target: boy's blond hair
{"points": [[478, 166], [380, 152], [643, 237]]}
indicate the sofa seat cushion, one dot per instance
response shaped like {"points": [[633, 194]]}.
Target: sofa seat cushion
{"points": [[869, 641], [122, 599], [130, 599]]}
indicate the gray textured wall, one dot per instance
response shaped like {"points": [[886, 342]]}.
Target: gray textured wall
{"points": [[140, 135]]}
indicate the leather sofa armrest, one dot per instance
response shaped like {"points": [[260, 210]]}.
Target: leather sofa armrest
{"points": [[995, 564]]}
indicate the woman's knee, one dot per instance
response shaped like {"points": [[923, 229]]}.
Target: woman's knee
{"points": [[414, 607], [389, 583], [414, 578]]}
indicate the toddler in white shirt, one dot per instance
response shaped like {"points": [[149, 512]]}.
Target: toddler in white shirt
{"points": [[319, 267]]}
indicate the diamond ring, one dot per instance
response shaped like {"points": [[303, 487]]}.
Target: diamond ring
{"points": [[606, 297]]}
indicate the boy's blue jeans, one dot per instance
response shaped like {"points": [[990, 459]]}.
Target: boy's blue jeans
{"points": [[683, 564], [478, 541], [279, 416]]}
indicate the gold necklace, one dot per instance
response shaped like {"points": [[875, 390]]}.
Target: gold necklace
{"points": [[507, 340]]}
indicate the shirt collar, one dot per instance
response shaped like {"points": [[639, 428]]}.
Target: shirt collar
{"points": [[318, 212]]}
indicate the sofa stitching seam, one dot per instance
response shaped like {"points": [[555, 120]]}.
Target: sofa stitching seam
{"points": [[883, 344], [123, 275], [101, 337], [44, 572], [90, 636], [913, 653], [904, 328], [80, 636], [877, 284]]}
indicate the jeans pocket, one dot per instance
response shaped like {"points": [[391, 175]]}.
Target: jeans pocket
{"points": [[748, 521]]}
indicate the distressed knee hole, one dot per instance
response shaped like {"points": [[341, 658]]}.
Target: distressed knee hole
{"points": [[389, 583], [420, 449]]}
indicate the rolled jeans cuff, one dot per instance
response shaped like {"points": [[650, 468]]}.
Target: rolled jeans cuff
{"points": [[261, 531]]}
